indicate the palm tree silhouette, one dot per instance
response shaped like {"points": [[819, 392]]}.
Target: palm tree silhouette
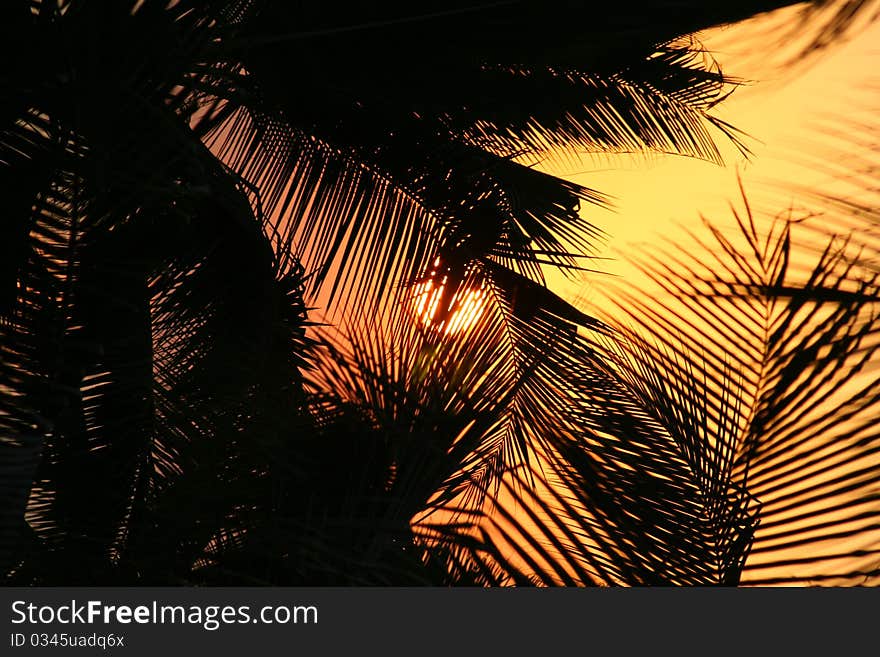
{"points": [[183, 183]]}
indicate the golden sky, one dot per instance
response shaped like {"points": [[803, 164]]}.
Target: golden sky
{"points": [[781, 108], [801, 120]]}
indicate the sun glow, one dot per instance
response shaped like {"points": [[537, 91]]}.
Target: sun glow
{"points": [[463, 310]]}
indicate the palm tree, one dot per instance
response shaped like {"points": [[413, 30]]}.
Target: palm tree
{"points": [[178, 199]]}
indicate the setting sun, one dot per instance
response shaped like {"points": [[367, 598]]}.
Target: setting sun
{"points": [[462, 311]]}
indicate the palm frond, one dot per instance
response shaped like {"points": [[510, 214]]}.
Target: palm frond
{"points": [[157, 423], [126, 287], [638, 493], [792, 348]]}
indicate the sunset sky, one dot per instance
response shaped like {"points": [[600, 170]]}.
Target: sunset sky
{"points": [[283, 303], [811, 124], [785, 107]]}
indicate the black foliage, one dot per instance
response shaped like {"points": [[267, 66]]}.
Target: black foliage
{"points": [[186, 183]]}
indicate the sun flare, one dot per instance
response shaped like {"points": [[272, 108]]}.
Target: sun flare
{"points": [[464, 309]]}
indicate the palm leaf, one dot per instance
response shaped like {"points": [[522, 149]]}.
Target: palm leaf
{"points": [[791, 347]]}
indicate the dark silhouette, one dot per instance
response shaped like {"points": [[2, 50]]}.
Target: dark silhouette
{"points": [[181, 183]]}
